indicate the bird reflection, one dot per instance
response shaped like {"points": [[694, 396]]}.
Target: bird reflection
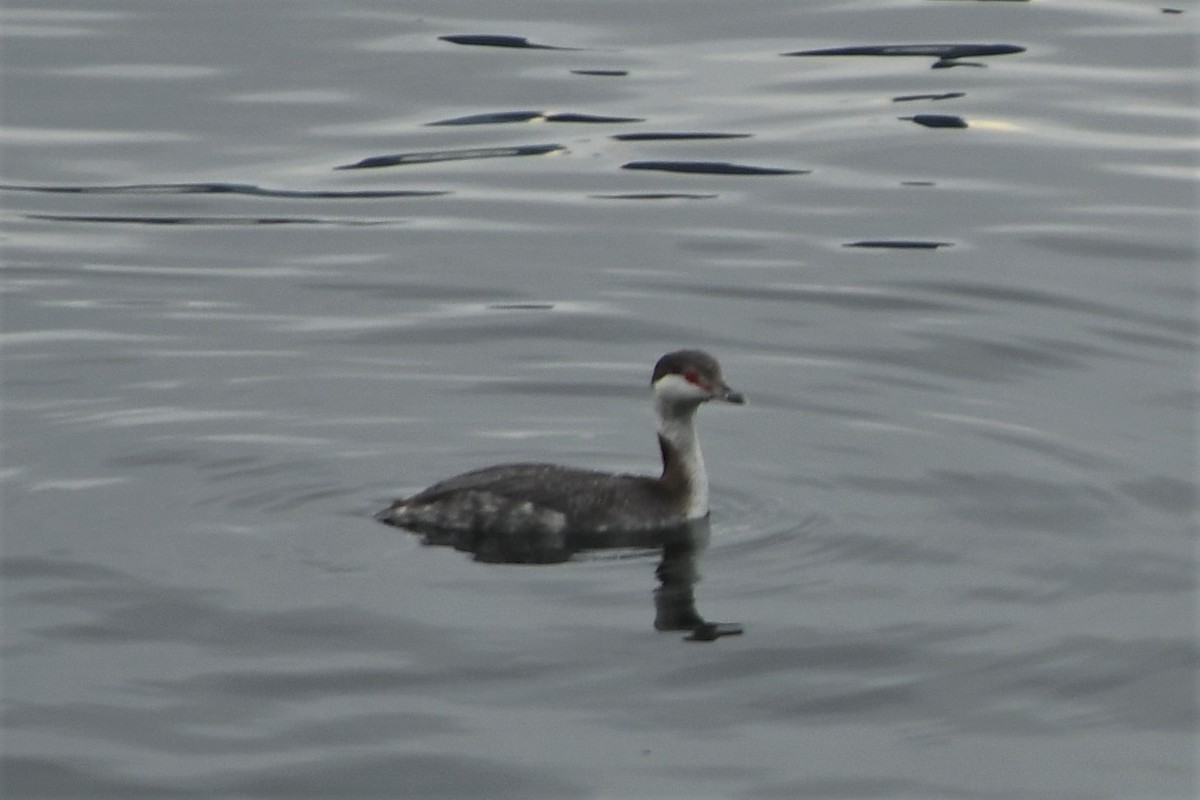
{"points": [[678, 573]]}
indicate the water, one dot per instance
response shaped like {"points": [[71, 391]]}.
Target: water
{"points": [[956, 519]]}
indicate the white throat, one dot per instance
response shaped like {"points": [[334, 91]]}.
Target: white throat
{"points": [[675, 426]]}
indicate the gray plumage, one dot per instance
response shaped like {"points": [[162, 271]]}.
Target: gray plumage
{"points": [[545, 512]]}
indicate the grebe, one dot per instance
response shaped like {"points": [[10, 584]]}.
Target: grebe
{"points": [[545, 513]]}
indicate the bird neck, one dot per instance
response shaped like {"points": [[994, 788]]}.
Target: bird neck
{"points": [[683, 463]]}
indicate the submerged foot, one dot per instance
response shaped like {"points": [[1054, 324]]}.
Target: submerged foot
{"points": [[682, 623], [711, 631], [675, 609]]}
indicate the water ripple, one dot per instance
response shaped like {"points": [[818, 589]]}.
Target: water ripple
{"points": [[1030, 439], [224, 188], [677, 136], [1025, 296], [214, 221], [1004, 500], [710, 168], [501, 117], [947, 55], [860, 298], [498, 40], [471, 154], [937, 120], [898, 244]]}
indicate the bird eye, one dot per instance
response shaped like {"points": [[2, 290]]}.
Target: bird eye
{"points": [[693, 377]]}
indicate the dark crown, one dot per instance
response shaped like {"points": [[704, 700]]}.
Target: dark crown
{"points": [[683, 361]]}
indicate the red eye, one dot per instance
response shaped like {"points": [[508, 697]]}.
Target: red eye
{"points": [[694, 378]]}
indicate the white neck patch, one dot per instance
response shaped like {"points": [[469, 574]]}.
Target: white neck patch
{"points": [[675, 404]]}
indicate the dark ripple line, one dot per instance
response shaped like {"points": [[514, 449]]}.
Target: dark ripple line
{"points": [[589, 118], [498, 40], [504, 117], [655, 196], [942, 51], [948, 55], [898, 244], [490, 118], [224, 188], [676, 136], [905, 98], [937, 120], [710, 168], [435, 156], [135, 220]]}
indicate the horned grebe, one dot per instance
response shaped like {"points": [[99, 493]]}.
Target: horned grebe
{"points": [[545, 513]]}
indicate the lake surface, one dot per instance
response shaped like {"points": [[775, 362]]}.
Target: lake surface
{"points": [[957, 517]]}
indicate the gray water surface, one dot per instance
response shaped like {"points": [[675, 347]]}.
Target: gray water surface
{"points": [[957, 518]]}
